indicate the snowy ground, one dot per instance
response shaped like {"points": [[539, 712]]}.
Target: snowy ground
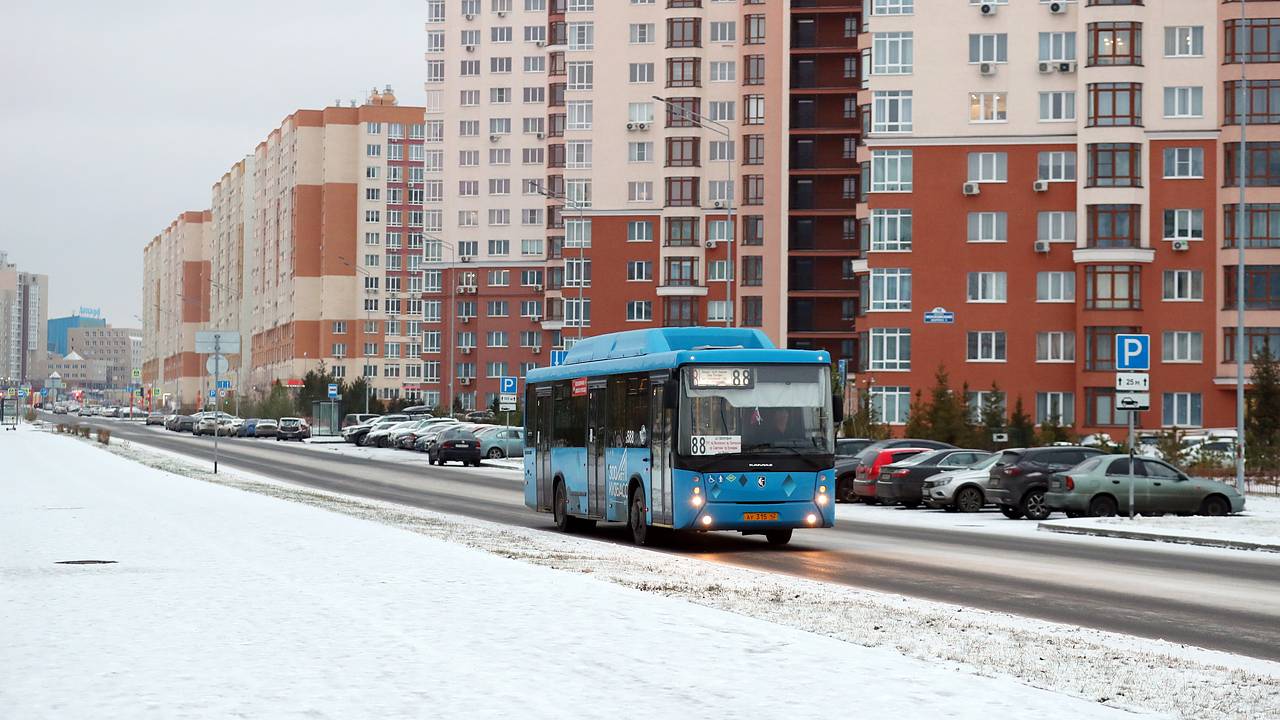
{"points": [[225, 603], [1259, 528], [266, 550]]}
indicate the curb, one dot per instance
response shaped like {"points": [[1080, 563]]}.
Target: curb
{"points": [[1160, 537]]}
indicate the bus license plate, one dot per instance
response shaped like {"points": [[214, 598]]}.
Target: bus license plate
{"points": [[760, 516]]}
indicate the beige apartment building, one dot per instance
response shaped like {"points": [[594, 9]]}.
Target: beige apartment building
{"points": [[118, 348], [175, 304], [24, 316]]}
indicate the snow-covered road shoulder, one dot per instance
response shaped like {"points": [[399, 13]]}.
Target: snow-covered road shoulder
{"points": [[227, 603], [1257, 528]]}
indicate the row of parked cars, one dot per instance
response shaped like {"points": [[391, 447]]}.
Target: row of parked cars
{"points": [[444, 439], [226, 425], [112, 411], [1027, 483]]}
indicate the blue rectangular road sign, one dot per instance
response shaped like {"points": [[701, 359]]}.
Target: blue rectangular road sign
{"points": [[557, 357], [224, 384], [333, 391], [1133, 352], [508, 384]]}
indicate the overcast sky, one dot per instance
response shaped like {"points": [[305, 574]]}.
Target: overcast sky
{"points": [[116, 116]]}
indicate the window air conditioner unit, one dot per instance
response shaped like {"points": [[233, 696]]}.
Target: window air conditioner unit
{"points": [[466, 319], [1042, 246], [536, 349], [493, 138], [987, 9], [541, 43], [1057, 8], [1067, 66], [537, 287], [461, 289], [709, 243], [466, 350], [719, 203], [535, 318], [471, 48], [987, 68], [539, 136], [1040, 186], [465, 380], [1181, 245], [470, 16], [502, 13], [971, 188], [1045, 67], [642, 126], [632, 126]]}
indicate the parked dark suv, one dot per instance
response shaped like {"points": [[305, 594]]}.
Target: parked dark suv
{"points": [[1020, 478]]}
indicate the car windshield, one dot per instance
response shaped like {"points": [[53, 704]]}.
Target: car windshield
{"points": [[761, 409], [985, 462], [914, 459]]}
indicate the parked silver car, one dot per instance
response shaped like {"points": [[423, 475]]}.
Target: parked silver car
{"points": [[963, 490], [501, 442]]}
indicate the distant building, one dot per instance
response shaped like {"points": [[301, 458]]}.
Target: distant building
{"points": [[77, 372], [58, 327], [119, 348], [24, 313]]}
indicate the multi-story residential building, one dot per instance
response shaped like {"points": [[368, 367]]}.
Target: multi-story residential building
{"points": [[1248, 46], [1019, 181], [232, 261], [175, 304], [24, 317], [118, 348]]}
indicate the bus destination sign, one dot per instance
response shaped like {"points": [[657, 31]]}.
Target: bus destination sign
{"points": [[722, 377]]}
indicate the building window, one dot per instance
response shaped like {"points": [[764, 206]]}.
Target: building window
{"points": [[1261, 225], [893, 7], [680, 272], [1184, 41], [1184, 224], [988, 107], [1113, 287], [1115, 104], [1261, 287], [1100, 345], [1182, 346], [891, 111], [1057, 166], [891, 171], [683, 152], [752, 311], [987, 287], [753, 230], [1255, 340], [685, 32], [1115, 43], [681, 192], [755, 30], [640, 231], [1100, 408], [985, 346], [1181, 409], [1058, 106], [1055, 286], [890, 289], [1183, 285], [1114, 226], [1262, 165], [1115, 165], [1056, 346], [680, 312], [988, 227], [1056, 226], [682, 72], [891, 53], [1055, 407], [988, 48], [988, 167], [1253, 40], [890, 349], [890, 230], [1184, 163], [639, 311], [1185, 101], [682, 232], [890, 403], [1261, 101], [1057, 47]]}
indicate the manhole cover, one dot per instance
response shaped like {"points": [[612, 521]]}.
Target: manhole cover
{"points": [[85, 562]]}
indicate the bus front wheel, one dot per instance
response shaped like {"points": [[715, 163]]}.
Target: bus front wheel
{"points": [[636, 521], [778, 537]]}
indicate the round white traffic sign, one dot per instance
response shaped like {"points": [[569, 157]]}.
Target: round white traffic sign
{"points": [[217, 365]]}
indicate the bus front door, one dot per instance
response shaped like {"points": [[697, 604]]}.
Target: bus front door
{"points": [[596, 470], [542, 407], [660, 453]]}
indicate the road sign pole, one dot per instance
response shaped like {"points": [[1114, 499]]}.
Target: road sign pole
{"points": [[1132, 443], [217, 376]]}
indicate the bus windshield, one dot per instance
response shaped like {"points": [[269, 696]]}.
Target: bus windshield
{"points": [[756, 410]]}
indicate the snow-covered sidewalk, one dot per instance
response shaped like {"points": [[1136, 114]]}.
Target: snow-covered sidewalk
{"points": [[224, 603], [1257, 528]]}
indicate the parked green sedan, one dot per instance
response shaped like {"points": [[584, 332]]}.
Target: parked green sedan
{"points": [[1099, 486]]}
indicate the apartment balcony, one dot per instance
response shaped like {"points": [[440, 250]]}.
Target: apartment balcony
{"points": [[667, 289], [823, 155], [823, 33], [836, 72]]}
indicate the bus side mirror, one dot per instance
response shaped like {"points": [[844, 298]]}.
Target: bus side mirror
{"points": [[671, 390], [837, 408]]}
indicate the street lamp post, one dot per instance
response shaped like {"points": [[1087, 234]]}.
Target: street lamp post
{"points": [[574, 204], [724, 131], [1242, 101]]}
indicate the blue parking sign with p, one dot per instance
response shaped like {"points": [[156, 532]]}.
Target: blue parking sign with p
{"points": [[1133, 352], [507, 384]]}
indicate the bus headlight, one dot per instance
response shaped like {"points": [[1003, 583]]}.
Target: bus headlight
{"points": [[811, 518], [696, 501], [822, 500], [706, 519]]}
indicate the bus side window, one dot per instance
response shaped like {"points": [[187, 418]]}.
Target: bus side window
{"points": [[531, 416]]}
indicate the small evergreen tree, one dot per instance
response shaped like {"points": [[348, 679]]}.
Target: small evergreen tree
{"points": [[277, 404], [1022, 431], [990, 418], [1262, 413], [948, 412], [918, 418]]}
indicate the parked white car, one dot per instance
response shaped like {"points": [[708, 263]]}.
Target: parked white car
{"points": [[963, 490]]}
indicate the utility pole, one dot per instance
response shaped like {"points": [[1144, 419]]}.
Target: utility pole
{"points": [[1242, 106]]}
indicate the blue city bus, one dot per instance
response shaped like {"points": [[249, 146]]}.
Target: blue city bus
{"points": [[690, 428]]}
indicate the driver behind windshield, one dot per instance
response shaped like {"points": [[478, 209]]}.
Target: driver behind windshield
{"points": [[770, 426]]}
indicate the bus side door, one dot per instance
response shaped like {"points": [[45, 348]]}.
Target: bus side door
{"points": [[597, 473], [660, 452], [542, 443]]}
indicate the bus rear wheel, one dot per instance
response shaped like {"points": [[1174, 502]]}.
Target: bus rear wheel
{"points": [[560, 509], [636, 520], [778, 537]]}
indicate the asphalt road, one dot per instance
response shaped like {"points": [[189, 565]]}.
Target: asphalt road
{"points": [[1145, 589]]}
